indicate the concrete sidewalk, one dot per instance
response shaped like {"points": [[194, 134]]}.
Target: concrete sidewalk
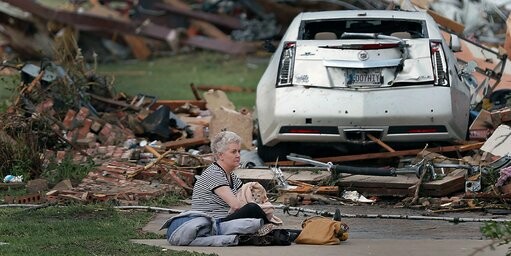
{"points": [[351, 247], [367, 237]]}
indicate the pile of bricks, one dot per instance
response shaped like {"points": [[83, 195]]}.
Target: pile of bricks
{"points": [[109, 182]]}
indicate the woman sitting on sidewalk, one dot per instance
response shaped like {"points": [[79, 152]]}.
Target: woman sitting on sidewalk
{"points": [[215, 190]]}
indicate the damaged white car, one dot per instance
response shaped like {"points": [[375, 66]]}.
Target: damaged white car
{"points": [[350, 77]]}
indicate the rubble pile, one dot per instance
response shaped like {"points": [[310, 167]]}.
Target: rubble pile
{"points": [[142, 148], [144, 29], [63, 110]]}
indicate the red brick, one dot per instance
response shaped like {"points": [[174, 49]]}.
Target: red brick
{"points": [[82, 114], [89, 141], [111, 140], [69, 119], [110, 151], [105, 132], [72, 135], [84, 130], [102, 150]]}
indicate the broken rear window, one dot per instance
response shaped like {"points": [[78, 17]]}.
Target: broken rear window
{"points": [[310, 30]]}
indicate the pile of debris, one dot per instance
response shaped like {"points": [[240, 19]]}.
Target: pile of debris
{"points": [[143, 148], [139, 145], [111, 30]]}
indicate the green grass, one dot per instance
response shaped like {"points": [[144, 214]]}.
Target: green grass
{"points": [[76, 230], [170, 78], [7, 85]]}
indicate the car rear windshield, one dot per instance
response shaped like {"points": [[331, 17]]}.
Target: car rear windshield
{"points": [[332, 29]]}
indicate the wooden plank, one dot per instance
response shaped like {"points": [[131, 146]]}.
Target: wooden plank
{"points": [[173, 104], [381, 143], [456, 27], [265, 175], [184, 143], [394, 192], [400, 181], [402, 185], [205, 27], [338, 159], [5, 186], [138, 46]]}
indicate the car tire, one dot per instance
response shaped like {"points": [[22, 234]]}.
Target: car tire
{"points": [[271, 154]]}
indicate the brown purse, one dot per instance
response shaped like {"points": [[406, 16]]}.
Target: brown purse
{"points": [[321, 230]]}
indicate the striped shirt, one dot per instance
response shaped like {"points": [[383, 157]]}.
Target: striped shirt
{"points": [[203, 197]]}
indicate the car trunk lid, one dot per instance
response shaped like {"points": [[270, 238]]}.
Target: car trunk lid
{"points": [[362, 63]]}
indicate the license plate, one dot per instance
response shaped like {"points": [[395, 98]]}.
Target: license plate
{"points": [[363, 77]]}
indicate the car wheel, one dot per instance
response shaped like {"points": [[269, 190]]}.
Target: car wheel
{"points": [[271, 154]]}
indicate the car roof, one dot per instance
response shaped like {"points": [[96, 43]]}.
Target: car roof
{"points": [[413, 15]]}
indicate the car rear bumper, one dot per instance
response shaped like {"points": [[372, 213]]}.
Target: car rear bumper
{"points": [[406, 114]]}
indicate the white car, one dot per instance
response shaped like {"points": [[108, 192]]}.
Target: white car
{"points": [[348, 77]]}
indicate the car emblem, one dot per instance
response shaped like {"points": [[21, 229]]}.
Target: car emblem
{"points": [[363, 55]]}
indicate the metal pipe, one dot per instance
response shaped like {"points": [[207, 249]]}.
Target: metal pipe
{"points": [[286, 209]]}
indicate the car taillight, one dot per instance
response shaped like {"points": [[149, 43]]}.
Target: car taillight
{"points": [[416, 129], [285, 77], [439, 64]]}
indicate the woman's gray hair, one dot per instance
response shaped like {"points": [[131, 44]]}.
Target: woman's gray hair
{"points": [[221, 140]]}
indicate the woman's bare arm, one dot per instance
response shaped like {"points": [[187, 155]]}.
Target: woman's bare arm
{"points": [[226, 194]]}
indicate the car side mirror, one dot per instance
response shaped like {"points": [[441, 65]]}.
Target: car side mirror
{"points": [[268, 46], [455, 43]]}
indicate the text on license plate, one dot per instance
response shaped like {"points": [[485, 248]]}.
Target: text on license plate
{"points": [[358, 77]]}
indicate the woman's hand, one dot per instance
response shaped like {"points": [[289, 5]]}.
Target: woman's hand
{"points": [[226, 194]]}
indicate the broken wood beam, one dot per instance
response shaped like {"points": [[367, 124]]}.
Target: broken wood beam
{"points": [[224, 21], [173, 104], [89, 22], [184, 143], [227, 46], [338, 159], [206, 28], [150, 165], [172, 173], [113, 102], [381, 143], [225, 88], [452, 25], [196, 93], [7, 186]]}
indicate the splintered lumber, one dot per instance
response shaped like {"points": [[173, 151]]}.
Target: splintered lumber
{"points": [[266, 175], [338, 159], [452, 25], [402, 185], [150, 165], [185, 143], [381, 143], [173, 104], [306, 188], [6, 186], [225, 88], [205, 27], [172, 173]]}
